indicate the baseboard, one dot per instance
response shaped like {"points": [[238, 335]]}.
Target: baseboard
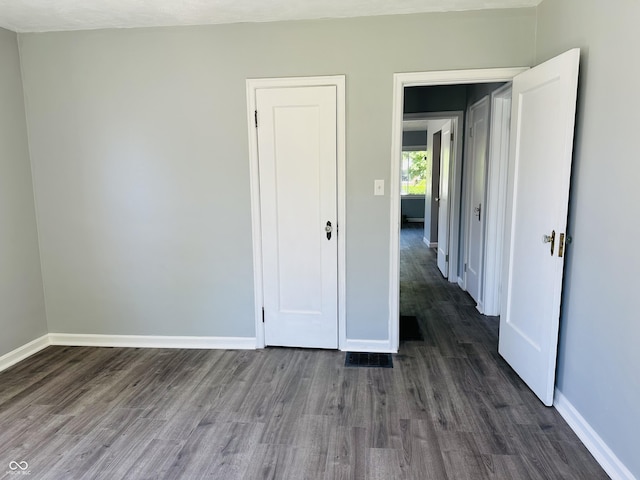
{"points": [[429, 244], [152, 341], [9, 359], [415, 220], [374, 346], [594, 443], [461, 283]]}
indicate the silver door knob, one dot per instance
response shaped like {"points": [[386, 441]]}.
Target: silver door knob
{"points": [[550, 239]]}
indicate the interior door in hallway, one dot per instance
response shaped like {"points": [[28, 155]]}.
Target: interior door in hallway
{"points": [[542, 122], [298, 201], [443, 202], [476, 165]]}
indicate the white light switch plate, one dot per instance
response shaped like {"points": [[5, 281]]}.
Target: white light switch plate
{"points": [[378, 187]]}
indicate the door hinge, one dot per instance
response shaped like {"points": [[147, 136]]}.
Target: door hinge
{"points": [[465, 267], [262, 314], [255, 116], [470, 132], [452, 136], [446, 258]]}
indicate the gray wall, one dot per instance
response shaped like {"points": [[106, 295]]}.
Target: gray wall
{"points": [[22, 314], [141, 172], [598, 352]]}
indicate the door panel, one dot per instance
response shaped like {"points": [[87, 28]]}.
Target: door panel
{"points": [[298, 196], [477, 161], [542, 122], [443, 203]]}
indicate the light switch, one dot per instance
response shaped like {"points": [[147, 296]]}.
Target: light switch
{"points": [[378, 187]]}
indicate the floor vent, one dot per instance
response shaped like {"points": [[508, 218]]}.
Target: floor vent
{"points": [[366, 359], [409, 329]]}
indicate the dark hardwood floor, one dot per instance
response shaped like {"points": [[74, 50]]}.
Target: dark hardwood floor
{"points": [[449, 409]]}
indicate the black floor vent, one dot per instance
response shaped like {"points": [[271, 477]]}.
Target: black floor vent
{"points": [[409, 329], [366, 359]]}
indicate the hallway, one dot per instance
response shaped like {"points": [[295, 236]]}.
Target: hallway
{"points": [[488, 421]]}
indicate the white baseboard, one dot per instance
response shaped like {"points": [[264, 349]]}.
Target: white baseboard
{"points": [[428, 243], [594, 443], [374, 346], [20, 353], [415, 220], [152, 341]]}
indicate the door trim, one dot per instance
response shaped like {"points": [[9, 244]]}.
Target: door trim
{"points": [[497, 163], [455, 172], [253, 84], [416, 79], [469, 167]]}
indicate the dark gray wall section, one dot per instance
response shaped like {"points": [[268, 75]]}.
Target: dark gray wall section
{"points": [[435, 187], [476, 91], [414, 138], [22, 313], [446, 98], [598, 356], [412, 207]]}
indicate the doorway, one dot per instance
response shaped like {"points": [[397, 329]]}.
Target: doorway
{"points": [[543, 106], [431, 79]]}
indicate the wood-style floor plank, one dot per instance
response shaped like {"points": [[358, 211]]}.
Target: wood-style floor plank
{"points": [[451, 408]]}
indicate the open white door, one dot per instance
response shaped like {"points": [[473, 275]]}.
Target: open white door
{"points": [[443, 200], [297, 153], [542, 123]]}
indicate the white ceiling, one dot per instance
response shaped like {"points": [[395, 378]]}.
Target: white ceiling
{"points": [[55, 15]]}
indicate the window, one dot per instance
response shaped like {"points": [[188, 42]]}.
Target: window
{"points": [[414, 173]]}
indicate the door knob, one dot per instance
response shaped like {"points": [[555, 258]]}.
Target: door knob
{"points": [[550, 239], [477, 211], [328, 228]]}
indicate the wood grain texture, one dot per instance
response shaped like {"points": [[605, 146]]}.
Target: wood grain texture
{"points": [[449, 409]]}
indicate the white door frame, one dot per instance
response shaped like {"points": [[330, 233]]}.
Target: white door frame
{"points": [[455, 172], [417, 79], [469, 167], [497, 162], [256, 231]]}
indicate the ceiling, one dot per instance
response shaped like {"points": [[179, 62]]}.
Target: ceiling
{"points": [[56, 15]]}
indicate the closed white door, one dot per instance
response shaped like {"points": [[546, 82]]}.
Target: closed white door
{"points": [[476, 166], [542, 122], [443, 202], [298, 202]]}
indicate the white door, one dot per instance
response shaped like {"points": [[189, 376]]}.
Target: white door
{"points": [[542, 121], [443, 202], [298, 200], [476, 166]]}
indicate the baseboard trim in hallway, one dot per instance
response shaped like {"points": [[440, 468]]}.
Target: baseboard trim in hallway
{"points": [[590, 438]]}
